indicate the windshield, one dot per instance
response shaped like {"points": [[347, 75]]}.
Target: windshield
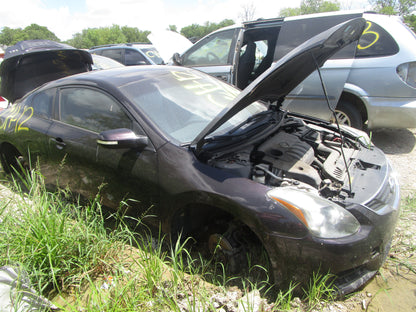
{"points": [[153, 54], [182, 102]]}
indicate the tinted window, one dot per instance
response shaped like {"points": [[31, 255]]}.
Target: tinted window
{"points": [[133, 57], [214, 50], [42, 103], [375, 41], [92, 110], [115, 54]]}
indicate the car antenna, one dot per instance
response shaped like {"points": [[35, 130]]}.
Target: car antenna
{"points": [[336, 121]]}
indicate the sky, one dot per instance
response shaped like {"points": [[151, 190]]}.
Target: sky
{"points": [[66, 18]]}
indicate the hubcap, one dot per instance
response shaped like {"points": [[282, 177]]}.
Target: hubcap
{"points": [[343, 118], [217, 242]]}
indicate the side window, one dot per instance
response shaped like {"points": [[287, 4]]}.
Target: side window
{"points": [[375, 41], [115, 54], [42, 103], [214, 50], [133, 57], [91, 110]]}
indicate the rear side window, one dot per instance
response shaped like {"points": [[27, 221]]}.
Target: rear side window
{"points": [[297, 31], [375, 41], [92, 110], [115, 54], [42, 103]]}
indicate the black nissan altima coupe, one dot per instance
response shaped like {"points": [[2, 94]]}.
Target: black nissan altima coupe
{"points": [[229, 168]]}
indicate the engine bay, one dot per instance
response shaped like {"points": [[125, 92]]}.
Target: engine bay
{"points": [[299, 154]]}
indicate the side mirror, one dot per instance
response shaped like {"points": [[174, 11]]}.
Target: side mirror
{"points": [[122, 138], [176, 58]]}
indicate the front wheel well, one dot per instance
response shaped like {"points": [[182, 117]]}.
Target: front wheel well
{"points": [[193, 218], [217, 234]]}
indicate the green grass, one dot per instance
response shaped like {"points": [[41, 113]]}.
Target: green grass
{"points": [[71, 252]]}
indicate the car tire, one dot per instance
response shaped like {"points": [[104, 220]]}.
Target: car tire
{"points": [[348, 114], [9, 160]]}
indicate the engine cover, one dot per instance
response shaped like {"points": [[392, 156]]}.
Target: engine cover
{"points": [[292, 155]]}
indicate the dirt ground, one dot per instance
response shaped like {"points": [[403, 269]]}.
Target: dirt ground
{"points": [[400, 147], [394, 288]]}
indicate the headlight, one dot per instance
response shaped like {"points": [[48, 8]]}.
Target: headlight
{"points": [[322, 217]]}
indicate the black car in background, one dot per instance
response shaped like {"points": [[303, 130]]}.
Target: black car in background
{"points": [[29, 64], [217, 164]]}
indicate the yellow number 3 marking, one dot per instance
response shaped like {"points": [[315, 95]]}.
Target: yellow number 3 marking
{"points": [[367, 31]]}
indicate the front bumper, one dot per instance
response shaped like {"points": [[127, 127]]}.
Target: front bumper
{"points": [[354, 259]]}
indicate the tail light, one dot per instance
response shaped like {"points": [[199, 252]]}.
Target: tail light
{"points": [[407, 72]]}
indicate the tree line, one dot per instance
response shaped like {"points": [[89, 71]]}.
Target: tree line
{"points": [[90, 37]]}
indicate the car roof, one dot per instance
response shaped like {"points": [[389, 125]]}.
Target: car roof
{"points": [[136, 45], [115, 77], [264, 22]]}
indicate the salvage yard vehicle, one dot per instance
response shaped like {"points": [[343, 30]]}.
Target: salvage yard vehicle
{"points": [[29, 64], [240, 175], [373, 90], [130, 53]]}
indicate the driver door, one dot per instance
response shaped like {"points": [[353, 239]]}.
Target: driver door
{"points": [[214, 54]]}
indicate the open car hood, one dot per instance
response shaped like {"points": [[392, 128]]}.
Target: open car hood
{"points": [[284, 75], [31, 63]]}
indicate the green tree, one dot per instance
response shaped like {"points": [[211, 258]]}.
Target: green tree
{"points": [[393, 7], [173, 28], [107, 35], [10, 36], [133, 34], [290, 12], [402, 8], [196, 31], [35, 31], [312, 6]]}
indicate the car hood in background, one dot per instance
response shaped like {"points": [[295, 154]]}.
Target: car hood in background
{"points": [[169, 42], [284, 75], [29, 64]]}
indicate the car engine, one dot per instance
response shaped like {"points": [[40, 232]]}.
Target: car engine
{"points": [[298, 154]]}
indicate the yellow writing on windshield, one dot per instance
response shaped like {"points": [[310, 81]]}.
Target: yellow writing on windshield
{"points": [[213, 90]]}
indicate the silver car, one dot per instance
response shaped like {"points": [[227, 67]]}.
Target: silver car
{"points": [[371, 87]]}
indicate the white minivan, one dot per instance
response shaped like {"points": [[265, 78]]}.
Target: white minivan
{"points": [[371, 86]]}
